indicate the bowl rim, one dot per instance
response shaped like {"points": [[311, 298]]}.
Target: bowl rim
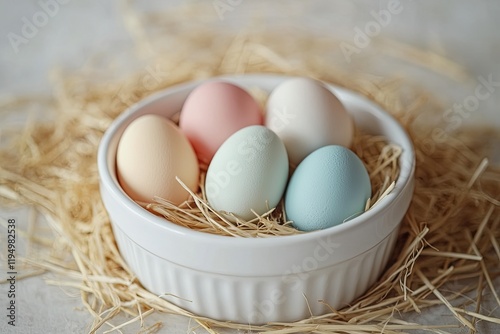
{"points": [[106, 179]]}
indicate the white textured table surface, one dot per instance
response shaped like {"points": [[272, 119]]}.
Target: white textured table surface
{"points": [[36, 36]]}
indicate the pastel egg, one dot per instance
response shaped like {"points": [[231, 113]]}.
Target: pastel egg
{"points": [[213, 112], [306, 116], [248, 172], [330, 186], [152, 152]]}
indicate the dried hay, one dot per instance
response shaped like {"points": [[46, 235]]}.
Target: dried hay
{"points": [[379, 157], [450, 233]]}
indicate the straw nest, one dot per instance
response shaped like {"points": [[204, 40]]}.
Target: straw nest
{"points": [[449, 235], [379, 157]]}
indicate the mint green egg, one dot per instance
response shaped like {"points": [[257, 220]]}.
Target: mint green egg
{"points": [[331, 185], [248, 173]]}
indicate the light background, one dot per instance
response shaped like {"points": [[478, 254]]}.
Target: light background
{"points": [[464, 31]]}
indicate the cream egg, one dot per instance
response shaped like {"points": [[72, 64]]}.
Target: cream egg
{"points": [[151, 153], [306, 115]]}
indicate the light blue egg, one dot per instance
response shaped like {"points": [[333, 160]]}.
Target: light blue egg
{"points": [[331, 185]]}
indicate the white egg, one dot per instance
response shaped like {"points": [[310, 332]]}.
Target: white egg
{"points": [[306, 116]]}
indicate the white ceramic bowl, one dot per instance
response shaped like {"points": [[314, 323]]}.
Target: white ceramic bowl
{"points": [[256, 280]]}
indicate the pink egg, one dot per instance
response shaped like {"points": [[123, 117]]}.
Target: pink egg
{"points": [[213, 112]]}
